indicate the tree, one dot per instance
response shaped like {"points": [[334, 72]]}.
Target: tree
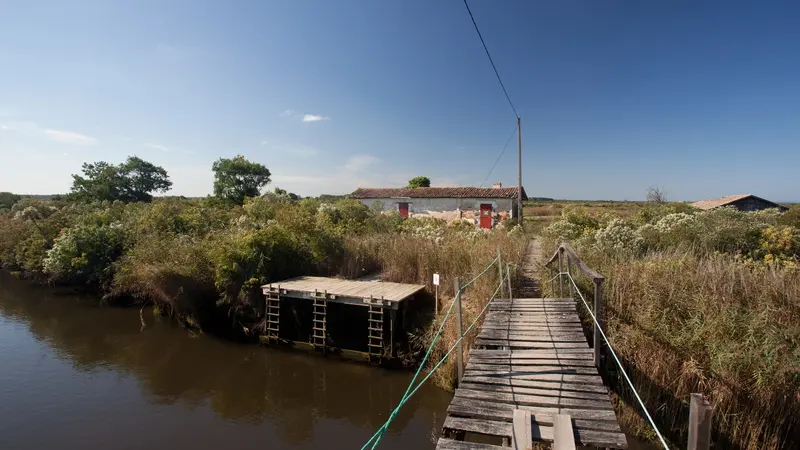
{"points": [[132, 181], [656, 195], [286, 194], [237, 178], [419, 181], [7, 200]]}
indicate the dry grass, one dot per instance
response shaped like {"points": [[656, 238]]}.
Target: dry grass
{"points": [[687, 322], [408, 259]]}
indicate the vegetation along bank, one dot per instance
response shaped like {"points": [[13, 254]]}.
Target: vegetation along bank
{"points": [[699, 301], [202, 261]]}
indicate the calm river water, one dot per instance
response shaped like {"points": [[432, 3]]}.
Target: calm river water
{"points": [[75, 375]]}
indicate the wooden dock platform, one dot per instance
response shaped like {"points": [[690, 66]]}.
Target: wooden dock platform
{"points": [[531, 374]]}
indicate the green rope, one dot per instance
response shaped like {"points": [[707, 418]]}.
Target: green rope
{"points": [[409, 392], [379, 434]]}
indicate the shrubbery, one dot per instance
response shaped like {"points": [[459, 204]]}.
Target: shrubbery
{"points": [[754, 236], [701, 301], [195, 257]]}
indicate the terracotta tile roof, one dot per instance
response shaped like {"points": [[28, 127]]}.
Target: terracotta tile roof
{"points": [[438, 192], [722, 201]]}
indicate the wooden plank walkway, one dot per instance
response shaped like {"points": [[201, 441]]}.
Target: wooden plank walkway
{"points": [[531, 355]]}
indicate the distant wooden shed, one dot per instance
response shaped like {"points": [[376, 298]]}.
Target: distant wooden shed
{"points": [[744, 202]]}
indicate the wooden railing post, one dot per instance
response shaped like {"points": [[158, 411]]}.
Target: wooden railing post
{"points": [[460, 349], [699, 423], [598, 323], [560, 271], [500, 271], [569, 278], [510, 292]]}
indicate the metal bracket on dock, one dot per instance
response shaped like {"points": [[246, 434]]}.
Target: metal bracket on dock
{"points": [[376, 301], [272, 289]]}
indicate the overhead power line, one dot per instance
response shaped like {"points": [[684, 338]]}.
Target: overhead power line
{"points": [[490, 59], [499, 156]]}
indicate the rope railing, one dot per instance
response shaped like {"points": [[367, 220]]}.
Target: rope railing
{"points": [[565, 251], [412, 388]]}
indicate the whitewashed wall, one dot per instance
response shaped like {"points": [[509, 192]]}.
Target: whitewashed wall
{"points": [[446, 208]]}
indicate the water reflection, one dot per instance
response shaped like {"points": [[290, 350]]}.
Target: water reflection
{"points": [[65, 353]]}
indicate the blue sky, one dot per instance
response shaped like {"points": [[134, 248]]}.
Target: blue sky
{"points": [[699, 98]]}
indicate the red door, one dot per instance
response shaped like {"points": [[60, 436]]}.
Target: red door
{"points": [[486, 215], [403, 210]]}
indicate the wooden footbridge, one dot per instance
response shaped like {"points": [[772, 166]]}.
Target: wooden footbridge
{"points": [[532, 376]]}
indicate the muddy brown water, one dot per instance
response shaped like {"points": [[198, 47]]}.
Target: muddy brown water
{"points": [[77, 375]]}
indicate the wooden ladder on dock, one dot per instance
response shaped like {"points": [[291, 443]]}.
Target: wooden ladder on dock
{"points": [[375, 330], [319, 331], [273, 313]]}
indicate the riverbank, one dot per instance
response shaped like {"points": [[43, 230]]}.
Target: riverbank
{"points": [[202, 261]]}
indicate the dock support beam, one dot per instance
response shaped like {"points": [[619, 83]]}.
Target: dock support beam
{"points": [[500, 271], [460, 325], [699, 423], [560, 271], [598, 324]]}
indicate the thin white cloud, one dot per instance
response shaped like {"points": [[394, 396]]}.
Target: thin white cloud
{"points": [[360, 162], [314, 118], [33, 129], [157, 147], [69, 137], [305, 117]]}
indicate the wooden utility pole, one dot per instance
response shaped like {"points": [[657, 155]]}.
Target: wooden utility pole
{"points": [[519, 175]]}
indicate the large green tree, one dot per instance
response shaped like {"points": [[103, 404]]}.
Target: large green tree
{"points": [[132, 181], [237, 178], [419, 181]]}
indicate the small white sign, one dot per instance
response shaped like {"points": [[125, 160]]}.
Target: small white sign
{"points": [[436, 279]]}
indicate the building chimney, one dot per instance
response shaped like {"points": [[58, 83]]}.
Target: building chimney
{"points": [[497, 185]]}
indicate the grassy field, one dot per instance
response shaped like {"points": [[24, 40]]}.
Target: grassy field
{"points": [[696, 302]]}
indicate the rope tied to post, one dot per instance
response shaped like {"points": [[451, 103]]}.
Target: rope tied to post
{"points": [[375, 439]]}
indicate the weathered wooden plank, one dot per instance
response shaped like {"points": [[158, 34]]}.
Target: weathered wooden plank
{"points": [[543, 423], [496, 328], [521, 438], [563, 436], [533, 400], [450, 444], [539, 432], [554, 361], [479, 426], [561, 353], [540, 411], [547, 392], [529, 345], [589, 432], [556, 386], [572, 322], [573, 329], [542, 337], [487, 334], [528, 368], [541, 376]]}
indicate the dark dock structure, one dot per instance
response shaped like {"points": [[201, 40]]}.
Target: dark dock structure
{"points": [[358, 319]]}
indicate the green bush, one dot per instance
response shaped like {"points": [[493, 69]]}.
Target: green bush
{"points": [[85, 253]]}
